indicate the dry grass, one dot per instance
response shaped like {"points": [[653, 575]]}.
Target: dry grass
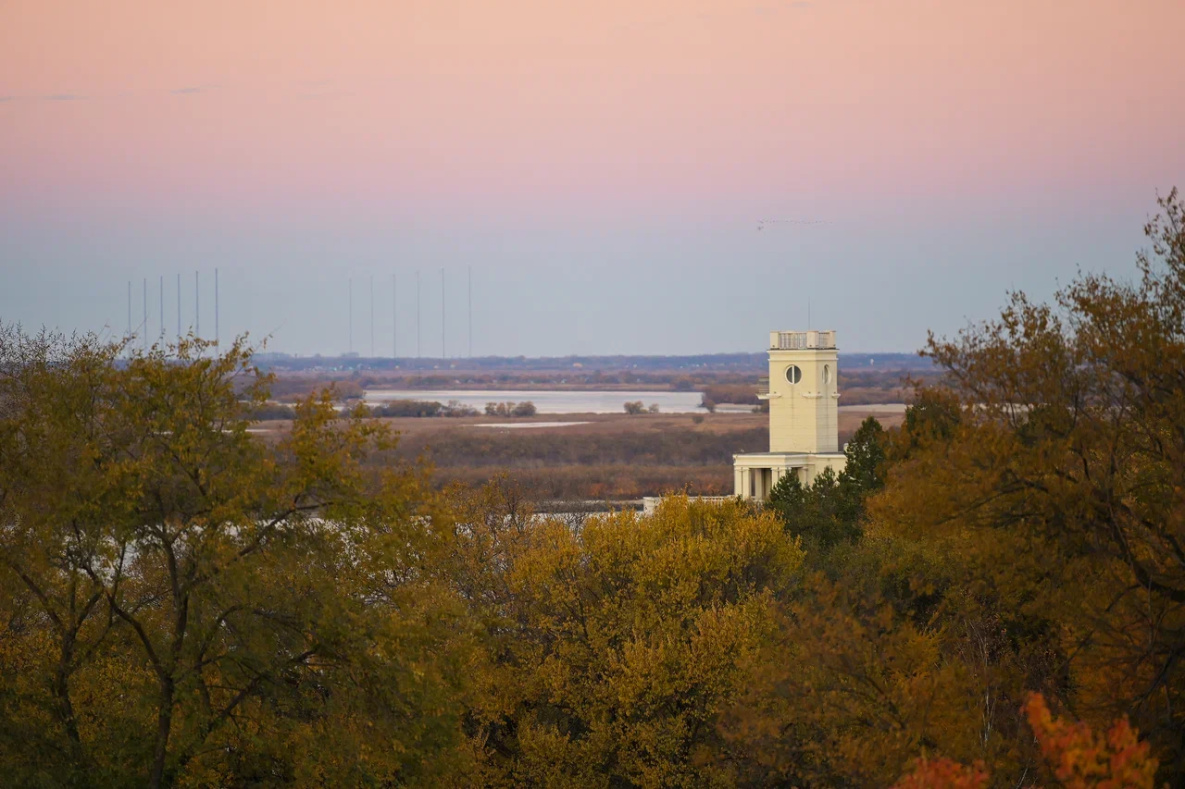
{"points": [[613, 456]]}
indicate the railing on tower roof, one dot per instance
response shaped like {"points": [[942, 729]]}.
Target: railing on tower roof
{"points": [[800, 340]]}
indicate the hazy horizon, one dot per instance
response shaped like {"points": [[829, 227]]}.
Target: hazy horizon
{"points": [[602, 167]]}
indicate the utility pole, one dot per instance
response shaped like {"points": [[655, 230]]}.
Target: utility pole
{"points": [[417, 313], [471, 312], [372, 316], [162, 309], [197, 305], [443, 351], [216, 308], [144, 325], [394, 318], [350, 286], [178, 306]]}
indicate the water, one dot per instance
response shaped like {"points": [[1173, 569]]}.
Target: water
{"points": [[525, 425], [548, 402]]}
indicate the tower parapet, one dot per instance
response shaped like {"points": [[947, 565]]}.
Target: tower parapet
{"points": [[801, 340]]}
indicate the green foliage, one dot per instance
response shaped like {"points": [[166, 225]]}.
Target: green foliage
{"points": [[830, 510]]}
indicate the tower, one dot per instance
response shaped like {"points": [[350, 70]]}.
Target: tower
{"points": [[803, 401], [803, 394]]}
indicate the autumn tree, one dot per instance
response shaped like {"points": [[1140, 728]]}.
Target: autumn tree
{"points": [[186, 601], [1074, 756], [1053, 464], [613, 646]]}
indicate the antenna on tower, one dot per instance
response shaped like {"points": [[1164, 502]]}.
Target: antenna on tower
{"points": [[394, 318], [470, 320], [350, 308], [178, 307], [443, 351], [417, 313], [215, 307], [129, 336], [144, 325], [197, 303], [162, 309], [372, 316]]}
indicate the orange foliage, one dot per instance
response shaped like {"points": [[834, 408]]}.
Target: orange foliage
{"points": [[1081, 758], [944, 774]]}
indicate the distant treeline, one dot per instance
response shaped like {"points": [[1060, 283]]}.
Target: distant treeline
{"points": [[702, 363], [856, 387], [719, 386]]}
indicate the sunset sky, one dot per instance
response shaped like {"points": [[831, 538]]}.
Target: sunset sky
{"points": [[600, 165]]}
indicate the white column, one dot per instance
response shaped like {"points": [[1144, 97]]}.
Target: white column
{"points": [[737, 481]]}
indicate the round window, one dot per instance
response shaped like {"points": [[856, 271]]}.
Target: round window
{"points": [[826, 373], [793, 374]]}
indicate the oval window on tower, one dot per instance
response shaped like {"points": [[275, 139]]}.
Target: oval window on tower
{"points": [[793, 374], [826, 373]]}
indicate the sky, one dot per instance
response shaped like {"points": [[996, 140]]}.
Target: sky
{"points": [[613, 176]]}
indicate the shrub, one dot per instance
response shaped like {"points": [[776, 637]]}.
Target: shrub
{"points": [[526, 408], [457, 408], [415, 408]]}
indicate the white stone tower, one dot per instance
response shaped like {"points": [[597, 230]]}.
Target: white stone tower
{"points": [[803, 401]]}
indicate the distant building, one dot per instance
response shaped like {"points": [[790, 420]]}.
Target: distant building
{"points": [[803, 396], [803, 400]]}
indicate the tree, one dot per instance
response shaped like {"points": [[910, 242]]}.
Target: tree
{"points": [[635, 407], [1059, 436], [1075, 757], [203, 598], [525, 408], [613, 646], [830, 510]]}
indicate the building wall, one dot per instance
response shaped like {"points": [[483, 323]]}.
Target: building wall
{"points": [[804, 416]]}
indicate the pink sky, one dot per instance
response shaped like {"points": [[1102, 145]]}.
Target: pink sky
{"points": [[599, 164], [523, 103]]}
